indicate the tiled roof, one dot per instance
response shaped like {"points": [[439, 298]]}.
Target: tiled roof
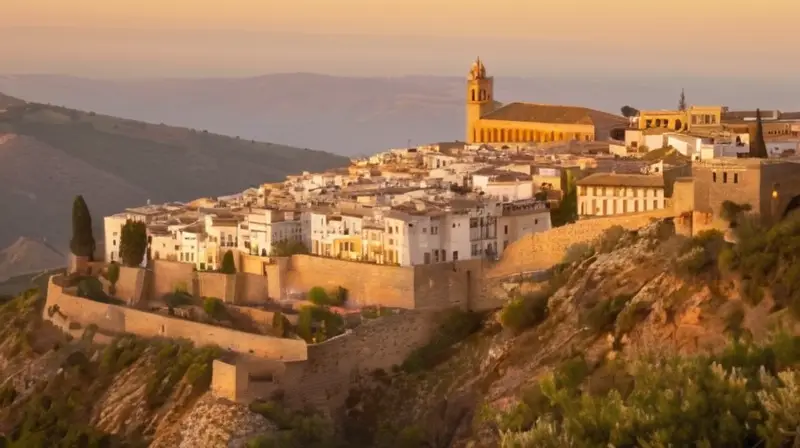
{"points": [[623, 180], [543, 113]]}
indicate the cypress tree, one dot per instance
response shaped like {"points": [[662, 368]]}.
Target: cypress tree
{"points": [[682, 101], [758, 148], [133, 243], [228, 264], [82, 243]]}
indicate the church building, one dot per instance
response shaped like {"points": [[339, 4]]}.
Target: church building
{"points": [[491, 122]]}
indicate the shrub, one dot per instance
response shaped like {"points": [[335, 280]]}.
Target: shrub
{"points": [[315, 324], [578, 252], [318, 296], [525, 311], [228, 264], [215, 308], [280, 325], [734, 399], [288, 248], [632, 315], [457, 326], [602, 316], [610, 238]]}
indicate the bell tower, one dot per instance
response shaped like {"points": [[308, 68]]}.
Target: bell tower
{"points": [[480, 98]]}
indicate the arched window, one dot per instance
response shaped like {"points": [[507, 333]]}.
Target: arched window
{"points": [[473, 94]]}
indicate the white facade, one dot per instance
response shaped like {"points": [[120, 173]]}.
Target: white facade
{"points": [[625, 197]]}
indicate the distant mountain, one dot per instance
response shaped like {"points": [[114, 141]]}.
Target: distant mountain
{"points": [[27, 255], [49, 154], [351, 115]]}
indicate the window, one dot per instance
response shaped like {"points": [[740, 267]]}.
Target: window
{"points": [[505, 230], [536, 221], [444, 255], [424, 230], [434, 230], [475, 250], [655, 204], [427, 258], [714, 177], [473, 223], [390, 230], [725, 177], [736, 178], [455, 255], [436, 255], [114, 242]]}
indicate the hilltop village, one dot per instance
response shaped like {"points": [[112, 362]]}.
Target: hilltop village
{"points": [[309, 282]]}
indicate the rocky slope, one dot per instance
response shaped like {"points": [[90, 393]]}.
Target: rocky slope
{"points": [[55, 391], [659, 309]]}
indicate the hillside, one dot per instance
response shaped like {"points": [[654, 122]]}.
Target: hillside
{"points": [[640, 338], [49, 154]]}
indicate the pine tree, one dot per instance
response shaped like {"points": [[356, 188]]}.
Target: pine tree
{"points": [[228, 265], [758, 148], [82, 243], [682, 101], [133, 243]]}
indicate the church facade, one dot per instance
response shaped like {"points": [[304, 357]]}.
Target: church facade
{"points": [[491, 122]]}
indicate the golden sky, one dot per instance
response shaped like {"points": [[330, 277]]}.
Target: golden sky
{"points": [[671, 31]]}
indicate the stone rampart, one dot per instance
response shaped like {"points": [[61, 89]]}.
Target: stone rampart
{"points": [[251, 288], [539, 251], [366, 284], [131, 285], [169, 276], [119, 319], [325, 379], [215, 284]]}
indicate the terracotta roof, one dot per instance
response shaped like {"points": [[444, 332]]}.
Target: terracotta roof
{"points": [[622, 180], [541, 113]]}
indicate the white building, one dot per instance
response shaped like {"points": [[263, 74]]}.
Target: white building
{"points": [[604, 194]]}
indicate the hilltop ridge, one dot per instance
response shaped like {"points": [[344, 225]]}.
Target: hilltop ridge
{"points": [[49, 154]]}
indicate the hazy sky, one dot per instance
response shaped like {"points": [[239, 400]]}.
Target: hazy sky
{"points": [[384, 37]]}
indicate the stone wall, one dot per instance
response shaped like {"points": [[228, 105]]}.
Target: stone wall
{"points": [[118, 319], [229, 380], [170, 275], [215, 284], [367, 284], [131, 285], [446, 285], [545, 249], [325, 379], [251, 288]]}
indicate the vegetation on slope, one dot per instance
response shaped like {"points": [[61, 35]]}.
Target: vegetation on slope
{"points": [[57, 388]]}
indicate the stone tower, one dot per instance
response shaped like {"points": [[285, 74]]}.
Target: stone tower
{"points": [[480, 97]]}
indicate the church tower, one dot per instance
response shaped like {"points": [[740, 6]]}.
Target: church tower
{"points": [[480, 97]]}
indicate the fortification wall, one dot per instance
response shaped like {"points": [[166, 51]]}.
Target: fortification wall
{"points": [[546, 249], [117, 319], [131, 284], [325, 379], [229, 380], [169, 275], [446, 285], [215, 284], [367, 284], [251, 288]]}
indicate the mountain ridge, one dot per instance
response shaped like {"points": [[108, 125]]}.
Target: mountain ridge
{"points": [[49, 154]]}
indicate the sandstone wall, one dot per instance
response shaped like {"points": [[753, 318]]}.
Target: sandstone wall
{"points": [[229, 380], [119, 319], [169, 275], [215, 284], [367, 284], [251, 288], [261, 316], [546, 249], [131, 284], [325, 379], [446, 285]]}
